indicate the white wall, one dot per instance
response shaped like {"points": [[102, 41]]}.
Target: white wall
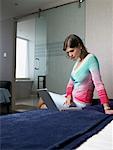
{"points": [[0, 10], [0, 26], [99, 17], [7, 46]]}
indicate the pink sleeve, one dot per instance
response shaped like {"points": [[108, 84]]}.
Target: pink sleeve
{"points": [[69, 87], [96, 77]]}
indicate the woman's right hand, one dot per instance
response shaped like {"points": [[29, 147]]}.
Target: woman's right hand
{"points": [[68, 100]]}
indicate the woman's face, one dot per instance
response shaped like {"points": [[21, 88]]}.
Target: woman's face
{"points": [[73, 53]]}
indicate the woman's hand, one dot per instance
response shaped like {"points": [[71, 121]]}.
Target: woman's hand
{"points": [[68, 100], [109, 111]]}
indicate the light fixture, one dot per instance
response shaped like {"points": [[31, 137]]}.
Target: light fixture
{"points": [[80, 1]]}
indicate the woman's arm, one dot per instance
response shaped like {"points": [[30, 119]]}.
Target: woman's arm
{"points": [[96, 77], [69, 89]]}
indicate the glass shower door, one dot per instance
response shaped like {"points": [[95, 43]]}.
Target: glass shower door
{"points": [[40, 68]]}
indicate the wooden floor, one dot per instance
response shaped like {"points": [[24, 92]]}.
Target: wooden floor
{"points": [[21, 105], [26, 104]]}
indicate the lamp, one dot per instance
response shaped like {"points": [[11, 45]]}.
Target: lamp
{"points": [[81, 1]]}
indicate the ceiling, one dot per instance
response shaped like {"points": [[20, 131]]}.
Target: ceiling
{"points": [[14, 8]]}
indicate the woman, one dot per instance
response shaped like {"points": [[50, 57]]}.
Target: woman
{"points": [[85, 76]]}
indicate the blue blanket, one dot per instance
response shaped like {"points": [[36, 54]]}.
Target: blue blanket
{"points": [[46, 129]]}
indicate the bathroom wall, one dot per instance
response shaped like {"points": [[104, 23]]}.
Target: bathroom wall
{"points": [[99, 37]]}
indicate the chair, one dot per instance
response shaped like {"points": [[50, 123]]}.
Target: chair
{"points": [[41, 82], [6, 105]]}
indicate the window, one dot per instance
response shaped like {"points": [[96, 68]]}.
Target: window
{"points": [[22, 58]]}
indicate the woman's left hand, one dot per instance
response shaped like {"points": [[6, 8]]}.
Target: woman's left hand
{"points": [[109, 111]]}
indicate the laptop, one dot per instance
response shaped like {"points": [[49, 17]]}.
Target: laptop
{"points": [[44, 94]]}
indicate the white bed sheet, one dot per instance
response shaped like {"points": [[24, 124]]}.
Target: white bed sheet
{"points": [[101, 141]]}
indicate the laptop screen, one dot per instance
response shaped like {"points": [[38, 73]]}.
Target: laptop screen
{"points": [[44, 94]]}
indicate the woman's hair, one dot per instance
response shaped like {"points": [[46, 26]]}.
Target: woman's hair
{"points": [[73, 41]]}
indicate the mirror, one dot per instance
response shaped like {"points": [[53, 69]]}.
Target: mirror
{"points": [[44, 34]]}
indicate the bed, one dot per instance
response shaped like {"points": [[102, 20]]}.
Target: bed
{"points": [[5, 96], [48, 129], [101, 141]]}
